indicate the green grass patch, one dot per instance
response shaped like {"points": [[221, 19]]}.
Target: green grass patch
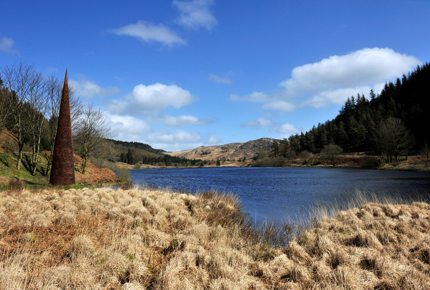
{"points": [[22, 178]]}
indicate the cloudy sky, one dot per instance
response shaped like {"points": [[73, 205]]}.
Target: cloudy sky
{"points": [[181, 74]]}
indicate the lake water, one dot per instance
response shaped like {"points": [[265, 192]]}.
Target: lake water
{"points": [[280, 192]]}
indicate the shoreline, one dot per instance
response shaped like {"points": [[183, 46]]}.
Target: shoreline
{"points": [[423, 166]]}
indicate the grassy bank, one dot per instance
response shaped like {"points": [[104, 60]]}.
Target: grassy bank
{"points": [[415, 163], [11, 177], [152, 239]]}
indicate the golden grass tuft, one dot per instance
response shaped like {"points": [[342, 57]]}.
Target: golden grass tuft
{"points": [[152, 239]]}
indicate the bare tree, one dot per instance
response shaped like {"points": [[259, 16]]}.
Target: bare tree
{"points": [[92, 128], [38, 102], [393, 139], [18, 80]]}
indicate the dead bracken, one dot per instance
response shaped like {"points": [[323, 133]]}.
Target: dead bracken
{"points": [[154, 239]]}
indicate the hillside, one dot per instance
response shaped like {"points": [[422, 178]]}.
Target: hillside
{"points": [[358, 123], [136, 145], [231, 151]]}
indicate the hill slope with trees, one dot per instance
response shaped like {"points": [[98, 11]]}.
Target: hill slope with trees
{"points": [[358, 126]]}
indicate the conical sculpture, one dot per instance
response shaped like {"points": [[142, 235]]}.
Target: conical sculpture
{"points": [[63, 165]]}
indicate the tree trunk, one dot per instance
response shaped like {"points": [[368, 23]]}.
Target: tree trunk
{"points": [[48, 168], [20, 148], [84, 160], [20, 144], [36, 156], [36, 148]]}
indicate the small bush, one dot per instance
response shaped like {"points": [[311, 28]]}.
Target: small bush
{"points": [[371, 163], [127, 186], [124, 175], [16, 184]]}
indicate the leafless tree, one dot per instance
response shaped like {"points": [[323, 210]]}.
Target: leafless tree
{"points": [[92, 128], [393, 139], [18, 80], [38, 103]]}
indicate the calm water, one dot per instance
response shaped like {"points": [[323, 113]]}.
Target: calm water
{"points": [[276, 193]]}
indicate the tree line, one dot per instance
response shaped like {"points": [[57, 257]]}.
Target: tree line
{"points": [[132, 157], [367, 125], [137, 145]]}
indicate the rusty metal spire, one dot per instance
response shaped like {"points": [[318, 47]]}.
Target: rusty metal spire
{"points": [[63, 166]]}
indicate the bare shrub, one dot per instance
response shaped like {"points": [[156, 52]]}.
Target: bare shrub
{"points": [[127, 186], [16, 184], [124, 175]]}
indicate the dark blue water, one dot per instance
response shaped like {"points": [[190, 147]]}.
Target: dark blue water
{"points": [[281, 192]]}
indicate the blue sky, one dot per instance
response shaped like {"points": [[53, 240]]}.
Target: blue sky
{"points": [[181, 74]]}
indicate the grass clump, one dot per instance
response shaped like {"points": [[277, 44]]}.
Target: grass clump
{"points": [[155, 239]]}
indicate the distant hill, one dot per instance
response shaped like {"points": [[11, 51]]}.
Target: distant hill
{"points": [[137, 145], [231, 151]]}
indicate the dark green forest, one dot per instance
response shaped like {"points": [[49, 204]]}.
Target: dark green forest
{"points": [[355, 127], [133, 157], [137, 145]]}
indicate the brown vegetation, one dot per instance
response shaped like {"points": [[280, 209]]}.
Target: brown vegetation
{"points": [[134, 239], [93, 175]]}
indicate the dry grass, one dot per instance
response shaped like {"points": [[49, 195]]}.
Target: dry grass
{"points": [[151, 239]]}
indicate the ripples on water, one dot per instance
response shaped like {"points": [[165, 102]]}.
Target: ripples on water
{"points": [[284, 192]]}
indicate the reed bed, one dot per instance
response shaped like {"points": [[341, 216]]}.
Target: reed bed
{"points": [[156, 239]]}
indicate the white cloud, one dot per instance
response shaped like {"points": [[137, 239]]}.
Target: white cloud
{"points": [[88, 89], [195, 14], [287, 129], [177, 140], [271, 103], [278, 105], [127, 128], [362, 67], [277, 127], [174, 140], [182, 120], [255, 97], [7, 46], [146, 99], [148, 32], [332, 80], [219, 79], [336, 97], [261, 122], [174, 137], [213, 140]]}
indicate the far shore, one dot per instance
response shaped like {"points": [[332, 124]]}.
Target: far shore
{"points": [[412, 163]]}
